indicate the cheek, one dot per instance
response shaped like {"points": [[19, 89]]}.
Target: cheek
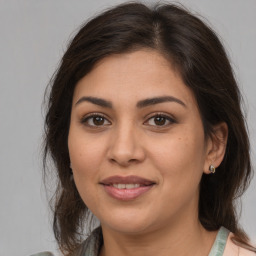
{"points": [[85, 158], [85, 154], [180, 158]]}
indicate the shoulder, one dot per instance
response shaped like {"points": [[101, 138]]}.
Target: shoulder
{"points": [[233, 249], [43, 254], [90, 247]]}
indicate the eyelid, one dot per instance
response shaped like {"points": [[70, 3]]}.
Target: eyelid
{"points": [[86, 117], [170, 118]]}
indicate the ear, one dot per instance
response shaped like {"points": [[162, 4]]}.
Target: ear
{"points": [[216, 146]]}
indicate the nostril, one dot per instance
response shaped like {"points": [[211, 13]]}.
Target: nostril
{"points": [[123, 161], [132, 160]]}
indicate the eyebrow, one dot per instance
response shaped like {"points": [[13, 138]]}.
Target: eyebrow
{"points": [[157, 100], [140, 104], [96, 101]]}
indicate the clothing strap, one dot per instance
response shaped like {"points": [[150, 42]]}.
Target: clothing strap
{"points": [[220, 242]]}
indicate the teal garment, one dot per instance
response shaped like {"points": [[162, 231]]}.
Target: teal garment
{"points": [[91, 246], [220, 242]]}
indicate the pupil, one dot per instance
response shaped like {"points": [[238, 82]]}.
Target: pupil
{"points": [[98, 120], [160, 120]]}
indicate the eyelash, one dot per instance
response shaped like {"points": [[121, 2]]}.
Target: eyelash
{"points": [[171, 120], [85, 119]]}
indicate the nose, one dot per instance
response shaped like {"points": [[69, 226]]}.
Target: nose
{"points": [[126, 147]]}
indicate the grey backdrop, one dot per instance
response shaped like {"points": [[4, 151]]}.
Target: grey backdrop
{"points": [[33, 36]]}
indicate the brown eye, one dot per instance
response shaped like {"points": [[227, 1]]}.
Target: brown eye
{"points": [[98, 120], [95, 120], [160, 120]]}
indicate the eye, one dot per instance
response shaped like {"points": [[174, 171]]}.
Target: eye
{"points": [[95, 120], [160, 120]]}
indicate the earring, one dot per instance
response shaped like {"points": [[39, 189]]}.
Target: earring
{"points": [[212, 168]]}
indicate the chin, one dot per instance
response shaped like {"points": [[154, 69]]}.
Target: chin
{"points": [[128, 229], [128, 224]]}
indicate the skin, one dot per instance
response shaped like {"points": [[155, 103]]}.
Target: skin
{"points": [[129, 141]]}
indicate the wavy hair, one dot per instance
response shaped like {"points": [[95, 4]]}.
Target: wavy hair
{"points": [[195, 51]]}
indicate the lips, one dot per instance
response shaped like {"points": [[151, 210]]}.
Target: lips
{"points": [[126, 180], [126, 188]]}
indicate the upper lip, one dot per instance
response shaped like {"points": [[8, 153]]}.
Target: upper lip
{"points": [[126, 180]]}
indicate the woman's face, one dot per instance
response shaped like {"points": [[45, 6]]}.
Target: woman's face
{"points": [[135, 122]]}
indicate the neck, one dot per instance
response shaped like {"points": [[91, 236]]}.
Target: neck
{"points": [[180, 239]]}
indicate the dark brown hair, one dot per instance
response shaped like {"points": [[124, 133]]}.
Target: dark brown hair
{"points": [[196, 52]]}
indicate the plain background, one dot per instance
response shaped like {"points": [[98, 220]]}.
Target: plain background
{"points": [[33, 37]]}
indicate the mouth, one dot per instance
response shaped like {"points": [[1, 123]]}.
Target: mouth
{"points": [[126, 188]]}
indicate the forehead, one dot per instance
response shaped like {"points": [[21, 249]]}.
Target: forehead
{"points": [[133, 76]]}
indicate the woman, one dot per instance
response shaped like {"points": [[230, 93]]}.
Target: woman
{"points": [[145, 128]]}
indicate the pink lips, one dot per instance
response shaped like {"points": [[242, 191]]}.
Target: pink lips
{"points": [[126, 193]]}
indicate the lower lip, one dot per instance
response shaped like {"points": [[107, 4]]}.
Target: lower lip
{"points": [[126, 194]]}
